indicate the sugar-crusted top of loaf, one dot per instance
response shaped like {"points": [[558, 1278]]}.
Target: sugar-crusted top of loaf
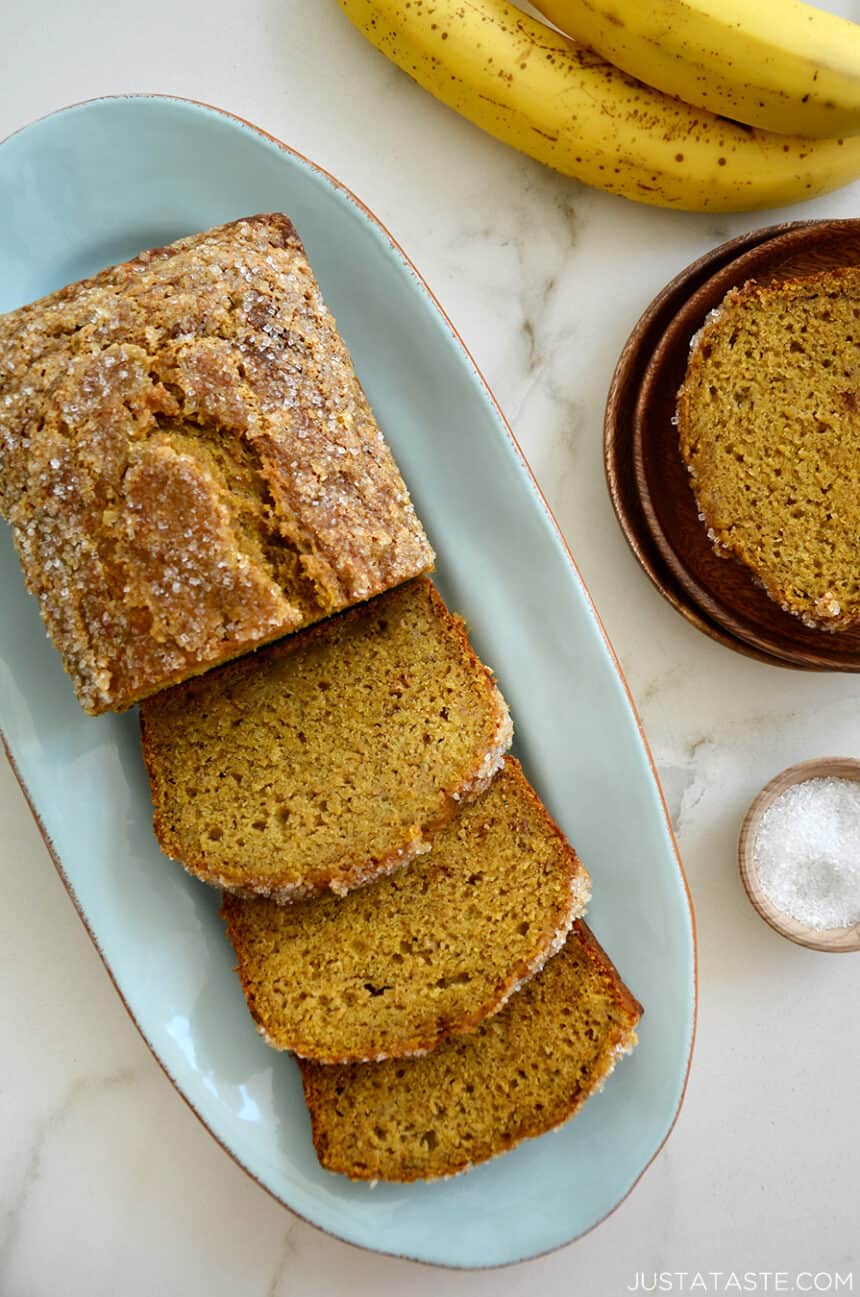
{"points": [[398, 965], [189, 462], [769, 424]]}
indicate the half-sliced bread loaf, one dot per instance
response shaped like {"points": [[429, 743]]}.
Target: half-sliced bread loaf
{"points": [[189, 463], [329, 758], [521, 1073], [395, 967]]}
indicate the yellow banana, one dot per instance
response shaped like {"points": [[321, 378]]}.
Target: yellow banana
{"points": [[778, 64], [564, 105]]}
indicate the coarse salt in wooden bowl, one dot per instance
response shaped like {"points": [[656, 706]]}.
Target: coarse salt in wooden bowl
{"points": [[834, 940]]}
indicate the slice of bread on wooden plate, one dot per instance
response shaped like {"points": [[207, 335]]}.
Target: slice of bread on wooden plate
{"points": [[769, 429]]}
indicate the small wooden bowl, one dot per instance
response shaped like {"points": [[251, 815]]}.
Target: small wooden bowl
{"points": [[834, 940], [618, 452], [723, 589]]}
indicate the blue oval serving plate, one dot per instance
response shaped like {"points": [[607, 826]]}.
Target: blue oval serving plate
{"points": [[96, 183]]}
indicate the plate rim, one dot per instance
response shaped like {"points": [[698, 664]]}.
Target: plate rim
{"points": [[541, 500]]}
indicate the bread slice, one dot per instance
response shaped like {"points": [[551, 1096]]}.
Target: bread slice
{"points": [[189, 463], [329, 758], [395, 967], [769, 423], [521, 1073]]}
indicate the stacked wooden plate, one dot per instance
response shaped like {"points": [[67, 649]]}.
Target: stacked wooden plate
{"points": [[649, 482]]}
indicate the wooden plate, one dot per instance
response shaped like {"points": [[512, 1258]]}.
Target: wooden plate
{"points": [[722, 588], [619, 465]]}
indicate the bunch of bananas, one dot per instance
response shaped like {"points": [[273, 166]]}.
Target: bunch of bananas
{"points": [[704, 105]]}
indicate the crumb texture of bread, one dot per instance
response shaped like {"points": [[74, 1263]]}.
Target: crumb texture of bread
{"points": [[189, 463], [522, 1072], [393, 968], [769, 424], [329, 758]]}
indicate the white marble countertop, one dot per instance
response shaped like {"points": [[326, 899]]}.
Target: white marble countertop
{"points": [[108, 1184]]}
